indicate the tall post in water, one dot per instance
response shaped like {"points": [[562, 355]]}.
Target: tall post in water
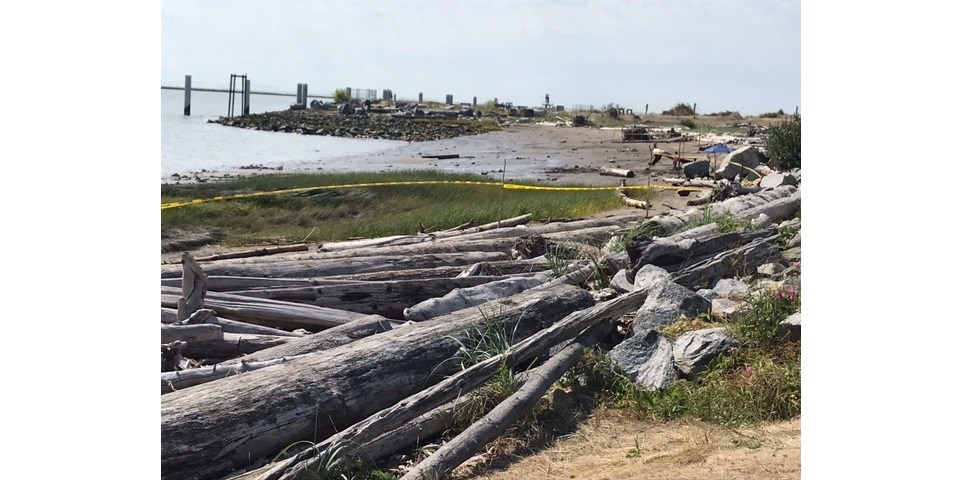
{"points": [[186, 95], [299, 93], [474, 101], [420, 98], [246, 98], [349, 92], [449, 99], [304, 95]]}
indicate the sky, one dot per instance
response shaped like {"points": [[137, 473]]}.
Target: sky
{"points": [[722, 55]]}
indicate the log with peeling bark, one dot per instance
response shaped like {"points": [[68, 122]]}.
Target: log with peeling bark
{"points": [[338, 266], [499, 268], [552, 227], [193, 287], [388, 298], [258, 252], [269, 313], [738, 262], [778, 210], [212, 429], [169, 315], [182, 379], [232, 345], [674, 255], [356, 436], [189, 333], [470, 441], [617, 172], [325, 340]]}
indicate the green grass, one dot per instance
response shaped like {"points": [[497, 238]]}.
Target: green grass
{"points": [[758, 381], [726, 221], [362, 212]]}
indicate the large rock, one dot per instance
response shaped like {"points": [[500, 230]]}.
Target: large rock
{"points": [[748, 157], [792, 255], [772, 269], [775, 180], [649, 276], [762, 221], [693, 351], [707, 293], [665, 303], [620, 282], [795, 241], [731, 288], [647, 358], [726, 309], [697, 169], [789, 328]]}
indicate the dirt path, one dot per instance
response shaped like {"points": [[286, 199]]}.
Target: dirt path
{"points": [[605, 447]]}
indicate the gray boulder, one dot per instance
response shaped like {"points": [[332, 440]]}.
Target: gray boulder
{"points": [[665, 303], [795, 241], [707, 293], [647, 358], [726, 309], [697, 169], [762, 221], [770, 269], [775, 180], [620, 282], [693, 351], [649, 276], [792, 255], [789, 328], [748, 157], [731, 288]]}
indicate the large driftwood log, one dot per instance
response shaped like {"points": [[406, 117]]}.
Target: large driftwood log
{"points": [[672, 223], [269, 313], [740, 261], [499, 268], [631, 202], [387, 298], [179, 380], [471, 440], [298, 467], [232, 345], [617, 172], [465, 297], [189, 333], [169, 315], [674, 255], [258, 252], [224, 283], [212, 429], [337, 266], [325, 340]]}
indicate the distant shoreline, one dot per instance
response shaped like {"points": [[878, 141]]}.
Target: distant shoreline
{"points": [[224, 90]]}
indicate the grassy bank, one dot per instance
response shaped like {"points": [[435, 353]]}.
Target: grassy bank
{"points": [[328, 215]]}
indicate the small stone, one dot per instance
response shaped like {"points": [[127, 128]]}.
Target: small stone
{"points": [[620, 283], [731, 288], [789, 328], [770, 269]]}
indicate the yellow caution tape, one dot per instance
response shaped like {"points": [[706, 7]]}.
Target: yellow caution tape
{"points": [[508, 186]]}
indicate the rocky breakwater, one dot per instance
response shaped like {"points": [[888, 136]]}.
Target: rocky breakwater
{"points": [[377, 126]]}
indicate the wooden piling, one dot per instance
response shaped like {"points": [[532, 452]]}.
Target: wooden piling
{"points": [[304, 95], [449, 99], [186, 95], [246, 97], [420, 98]]}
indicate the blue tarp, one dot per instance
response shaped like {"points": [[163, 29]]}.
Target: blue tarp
{"points": [[718, 148]]}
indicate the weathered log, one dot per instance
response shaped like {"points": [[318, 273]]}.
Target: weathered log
{"points": [[674, 255], [259, 252], [778, 210], [169, 315], [179, 380], [465, 297], [471, 440], [552, 227], [212, 429], [387, 298], [356, 244], [456, 385], [630, 202], [270, 313], [672, 223], [222, 283], [171, 357], [736, 262], [499, 268], [338, 266], [189, 333], [347, 333], [617, 172], [193, 287], [232, 345]]}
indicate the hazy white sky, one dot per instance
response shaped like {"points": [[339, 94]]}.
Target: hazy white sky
{"points": [[721, 54]]}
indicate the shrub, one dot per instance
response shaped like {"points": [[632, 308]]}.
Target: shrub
{"points": [[686, 122], [783, 143], [679, 109], [340, 95]]}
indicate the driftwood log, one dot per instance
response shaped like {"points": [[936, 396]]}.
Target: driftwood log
{"points": [[212, 429], [193, 288], [471, 440], [356, 436], [631, 202], [617, 172], [258, 252], [461, 298], [189, 333], [270, 313], [169, 315], [741, 261], [669, 224], [231, 345], [179, 380]]}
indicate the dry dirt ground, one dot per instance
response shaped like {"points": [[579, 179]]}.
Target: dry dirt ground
{"points": [[604, 447]]}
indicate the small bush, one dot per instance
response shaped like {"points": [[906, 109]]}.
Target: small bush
{"points": [[680, 109], [686, 122], [783, 143], [726, 221], [340, 95], [757, 326]]}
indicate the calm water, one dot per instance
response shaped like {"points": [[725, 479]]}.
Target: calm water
{"points": [[189, 144]]}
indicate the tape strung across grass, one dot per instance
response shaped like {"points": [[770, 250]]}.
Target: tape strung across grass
{"points": [[507, 186]]}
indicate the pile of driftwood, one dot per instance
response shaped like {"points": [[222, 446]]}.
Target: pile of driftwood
{"points": [[354, 348]]}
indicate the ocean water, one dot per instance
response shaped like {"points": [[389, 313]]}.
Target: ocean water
{"points": [[190, 144]]}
